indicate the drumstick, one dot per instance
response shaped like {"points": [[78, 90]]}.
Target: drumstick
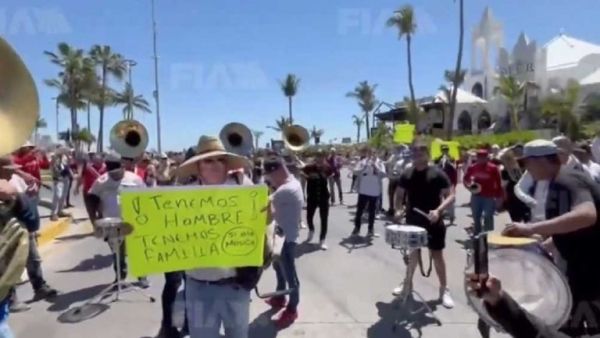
{"points": [[421, 212]]}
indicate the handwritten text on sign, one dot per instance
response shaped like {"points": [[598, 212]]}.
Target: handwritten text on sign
{"points": [[183, 228]]}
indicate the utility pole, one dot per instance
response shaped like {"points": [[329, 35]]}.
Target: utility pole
{"points": [[130, 64], [156, 92], [57, 132]]}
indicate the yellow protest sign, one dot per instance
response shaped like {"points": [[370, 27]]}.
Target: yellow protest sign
{"points": [[181, 228], [436, 151], [405, 133]]}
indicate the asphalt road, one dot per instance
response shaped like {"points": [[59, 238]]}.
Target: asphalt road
{"points": [[345, 291]]}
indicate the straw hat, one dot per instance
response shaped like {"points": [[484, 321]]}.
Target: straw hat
{"points": [[210, 147]]}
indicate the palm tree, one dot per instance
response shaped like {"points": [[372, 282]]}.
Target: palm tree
{"points": [[84, 136], [456, 79], [358, 122], [457, 70], [280, 124], [77, 74], [405, 21], [316, 134], [131, 102], [257, 135], [39, 124], [513, 92], [562, 108], [111, 65], [364, 94], [289, 86]]}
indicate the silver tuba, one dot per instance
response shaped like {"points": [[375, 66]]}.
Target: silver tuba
{"points": [[295, 137], [19, 112], [237, 138], [129, 138]]}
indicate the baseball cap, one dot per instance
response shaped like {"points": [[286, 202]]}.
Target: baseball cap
{"points": [[539, 148], [563, 143], [6, 162], [482, 152], [272, 163]]}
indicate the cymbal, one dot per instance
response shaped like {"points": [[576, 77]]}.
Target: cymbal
{"points": [[499, 240], [19, 102]]}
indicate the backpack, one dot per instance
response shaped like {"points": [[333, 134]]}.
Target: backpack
{"points": [[249, 276]]}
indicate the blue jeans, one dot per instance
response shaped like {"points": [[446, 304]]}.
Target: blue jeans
{"points": [[60, 191], [5, 331], [483, 207], [209, 306], [285, 269]]}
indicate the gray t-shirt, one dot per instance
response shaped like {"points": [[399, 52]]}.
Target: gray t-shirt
{"points": [[287, 202]]}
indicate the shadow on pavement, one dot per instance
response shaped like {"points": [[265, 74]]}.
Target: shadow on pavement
{"points": [[396, 321], [74, 237], [64, 300], [98, 262], [80, 314], [305, 248], [262, 326], [356, 242]]}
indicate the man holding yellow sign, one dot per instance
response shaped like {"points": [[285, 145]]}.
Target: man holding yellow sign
{"points": [[212, 229]]}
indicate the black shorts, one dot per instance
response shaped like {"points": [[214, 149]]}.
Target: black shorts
{"points": [[436, 233]]}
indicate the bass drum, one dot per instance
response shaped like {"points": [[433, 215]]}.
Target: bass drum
{"points": [[532, 280]]}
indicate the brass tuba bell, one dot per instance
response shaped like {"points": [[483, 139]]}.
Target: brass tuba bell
{"points": [[237, 138], [295, 137], [19, 111], [129, 138], [19, 101]]}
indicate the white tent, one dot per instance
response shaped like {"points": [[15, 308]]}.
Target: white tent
{"points": [[462, 96]]}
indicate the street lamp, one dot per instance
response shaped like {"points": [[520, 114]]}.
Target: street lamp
{"points": [[56, 107], [130, 64], [156, 92]]}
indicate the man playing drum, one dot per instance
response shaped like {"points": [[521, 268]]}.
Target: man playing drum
{"points": [[571, 200], [429, 190]]}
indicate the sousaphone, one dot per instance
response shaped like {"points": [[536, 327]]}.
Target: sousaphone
{"points": [[19, 111], [295, 137], [129, 138], [237, 138]]}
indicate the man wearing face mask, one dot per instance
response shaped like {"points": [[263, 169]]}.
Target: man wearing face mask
{"points": [[104, 202]]}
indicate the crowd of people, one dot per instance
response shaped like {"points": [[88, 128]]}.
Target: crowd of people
{"points": [[549, 188]]}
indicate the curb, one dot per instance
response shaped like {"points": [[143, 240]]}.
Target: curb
{"points": [[49, 232]]}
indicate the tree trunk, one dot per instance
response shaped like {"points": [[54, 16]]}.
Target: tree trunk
{"points": [[290, 110], [461, 36], [89, 121], [410, 77], [358, 134], [367, 125], [100, 136]]}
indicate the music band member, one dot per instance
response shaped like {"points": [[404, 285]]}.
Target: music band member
{"points": [[571, 200], [104, 202], [317, 175], [370, 172], [583, 152], [286, 203], [511, 174], [215, 296], [61, 179], [486, 177], [448, 166], [32, 161], [28, 216], [90, 170], [427, 188], [335, 180]]}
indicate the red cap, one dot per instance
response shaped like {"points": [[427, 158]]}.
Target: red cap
{"points": [[482, 152]]}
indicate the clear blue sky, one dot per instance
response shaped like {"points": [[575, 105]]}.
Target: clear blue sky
{"points": [[220, 61]]}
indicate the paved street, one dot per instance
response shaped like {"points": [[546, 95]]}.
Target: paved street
{"points": [[344, 292]]}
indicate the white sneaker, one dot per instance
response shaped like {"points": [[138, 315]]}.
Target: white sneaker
{"points": [[447, 301], [402, 290], [310, 236], [323, 245], [303, 225]]}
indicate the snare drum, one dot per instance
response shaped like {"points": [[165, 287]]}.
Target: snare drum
{"points": [[107, 228], [405, 236], [532, 280]]}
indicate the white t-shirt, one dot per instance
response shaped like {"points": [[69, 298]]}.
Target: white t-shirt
{"points": [[593, 169], [18, 183], [369, 181], [108, 190]]}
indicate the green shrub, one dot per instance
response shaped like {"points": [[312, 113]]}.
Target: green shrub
{"points": [[502, 140]]}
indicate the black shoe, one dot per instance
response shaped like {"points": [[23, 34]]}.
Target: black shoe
{"points": [[169, 332], [143, 283], [16, 307], [44, 292], [355, 232]]}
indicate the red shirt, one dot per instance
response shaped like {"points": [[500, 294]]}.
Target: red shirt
{"points": [[31, 165], [141, 172], [90, 173], [488, 176]]}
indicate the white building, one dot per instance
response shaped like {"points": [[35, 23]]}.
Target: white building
{"points": [[550, 67]]}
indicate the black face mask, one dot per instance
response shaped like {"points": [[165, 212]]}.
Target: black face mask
{"points": [[110, 166]]}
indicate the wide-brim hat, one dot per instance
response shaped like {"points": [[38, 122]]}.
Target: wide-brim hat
{"points": [[209, 147], [28, 144]]}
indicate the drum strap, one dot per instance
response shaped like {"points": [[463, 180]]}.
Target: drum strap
{"points": [[426, 275]]}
